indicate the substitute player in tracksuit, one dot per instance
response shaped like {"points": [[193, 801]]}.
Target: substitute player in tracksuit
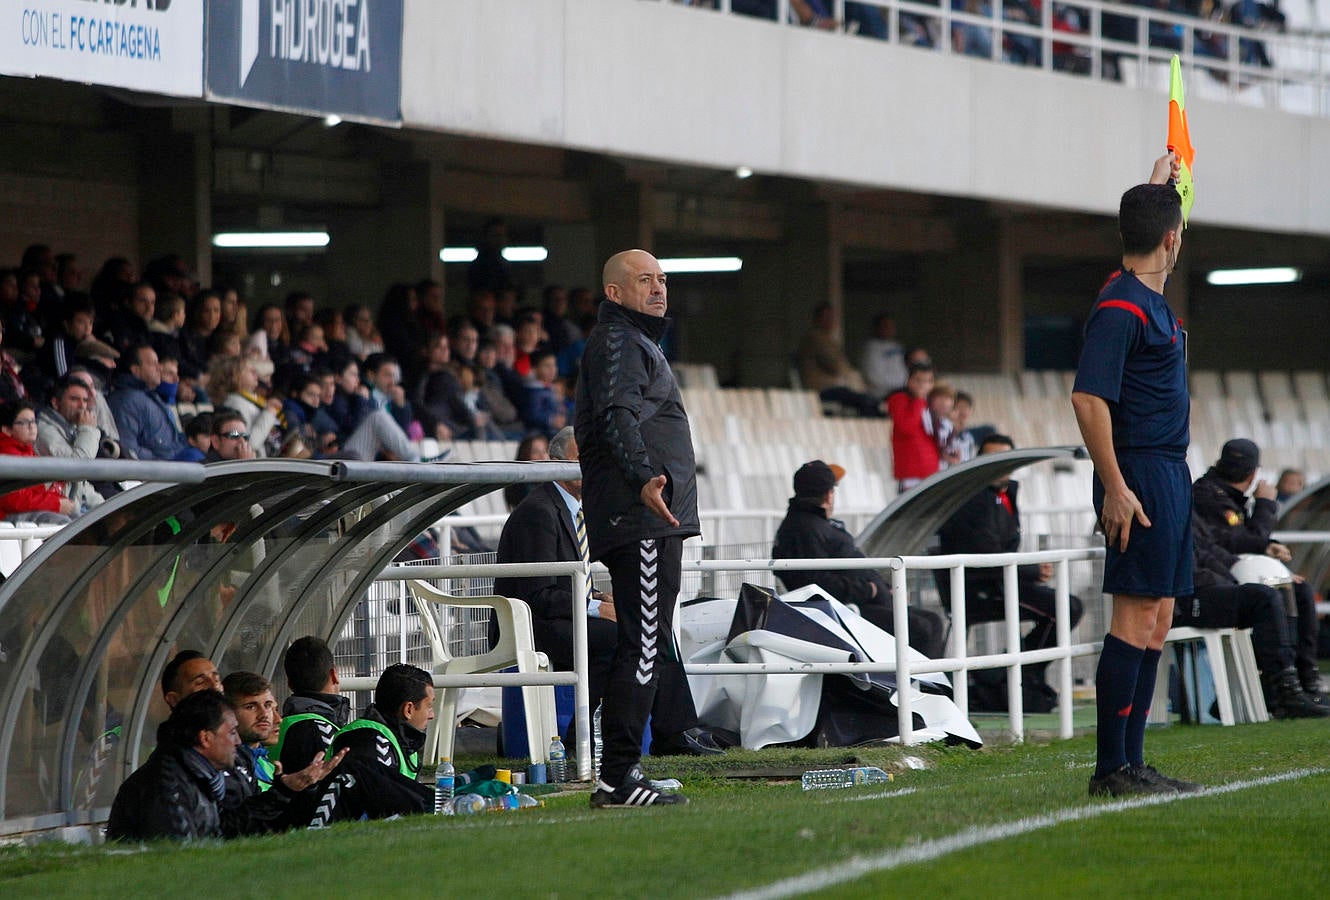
{"points": [[1133, 410]]}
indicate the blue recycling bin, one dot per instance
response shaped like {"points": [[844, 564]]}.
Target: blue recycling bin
{"points": [[513, 726]]}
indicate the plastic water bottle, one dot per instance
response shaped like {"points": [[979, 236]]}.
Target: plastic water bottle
{"points": [[445, 778], [501, 803], [665, 785], [558, 761], [822, 779], [595, 743], [465, 805]]}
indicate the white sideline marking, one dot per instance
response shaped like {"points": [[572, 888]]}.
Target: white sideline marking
{"points": [[859, 866], [876, 795]]}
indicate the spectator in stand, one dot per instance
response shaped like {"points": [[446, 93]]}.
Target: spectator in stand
{"points": [[403, 336], [383, 374], [59, 353], [554, 311], [972, 40], [532, 447], [310, 350], [39, 260], [362, 337], [439, 397], [198, 432], [941, 400], [505, 356], [308, 429], [235, 382], [146, 423], [429, 313], [543, 409], [299, 310], [205, 314], [964, 439], [463, 341], [334, 336], [373, 431], [914, 452], [12, 388], [1291, 483], [39, 504], [185, 396], [169, 273], [527, 338], [824, 367], [166, 329], [809, 532], [481, 308], [489, 270], [67, 429], [883, 358], [269, 339], [506, 302], [68, 284], [116, 274], [23, 319], [350, 402], [228, 437], [493, 394], [128, 325], [990, 522], [224, 343], [235, 316], [95, 382]]}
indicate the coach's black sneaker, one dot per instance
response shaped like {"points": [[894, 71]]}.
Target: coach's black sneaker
{"points": [[1150, 773], [1124, 782], [1290, 702], [636, 790]]}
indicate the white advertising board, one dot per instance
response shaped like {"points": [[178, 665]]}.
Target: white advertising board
{"points": [[145, 45]]}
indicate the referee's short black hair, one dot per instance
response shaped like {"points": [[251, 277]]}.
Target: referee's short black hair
{"points": [[1146, 214]]}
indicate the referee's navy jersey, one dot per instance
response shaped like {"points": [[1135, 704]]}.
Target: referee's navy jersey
{"points": [[1135, 359]]}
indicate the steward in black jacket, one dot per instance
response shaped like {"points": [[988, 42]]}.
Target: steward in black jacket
{"points": [[808, 532], [631, 427], [1222, 505]]}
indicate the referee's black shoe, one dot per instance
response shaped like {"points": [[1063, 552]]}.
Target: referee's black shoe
{"points": [[1127, 781], [635, 791]]}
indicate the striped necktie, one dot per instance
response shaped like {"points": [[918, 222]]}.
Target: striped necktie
{"points": [[583, 549]]}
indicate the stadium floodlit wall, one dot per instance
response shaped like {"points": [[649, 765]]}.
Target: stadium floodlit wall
{"points": [[232, 559], [661, 81]]}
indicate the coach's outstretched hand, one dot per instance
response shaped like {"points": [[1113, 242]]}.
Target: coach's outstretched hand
{"points": [[313, 773]]}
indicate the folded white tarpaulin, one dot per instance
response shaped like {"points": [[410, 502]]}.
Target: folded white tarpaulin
{"points": [[804, 626]]}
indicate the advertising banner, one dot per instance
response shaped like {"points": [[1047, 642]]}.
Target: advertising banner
{"points": [[324, 57], [144, 45]]}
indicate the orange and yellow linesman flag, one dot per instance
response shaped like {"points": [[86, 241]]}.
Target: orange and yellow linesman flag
{"points": [[1179, 139]]}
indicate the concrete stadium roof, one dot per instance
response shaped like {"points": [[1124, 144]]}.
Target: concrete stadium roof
{"points": [[234, 559]]}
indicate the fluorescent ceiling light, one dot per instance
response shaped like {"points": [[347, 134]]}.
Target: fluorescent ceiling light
{"points": [[512, 254], [525, 254], [269, 240], [332, 121], [1234, 277], [458, 254], [743, 172], [688, 265]]}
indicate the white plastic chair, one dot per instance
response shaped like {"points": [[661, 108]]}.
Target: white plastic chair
{"points": [[516, 646], [1232, 666]]}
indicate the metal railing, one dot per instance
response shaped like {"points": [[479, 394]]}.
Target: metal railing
{"points": [[959, 662], [1101, 41]]}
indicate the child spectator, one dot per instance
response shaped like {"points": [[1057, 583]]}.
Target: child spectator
{"points": [[914, 451], [39, 504]]}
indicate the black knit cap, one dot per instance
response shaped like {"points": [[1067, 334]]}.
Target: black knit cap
{"points": [[1239, 458]]}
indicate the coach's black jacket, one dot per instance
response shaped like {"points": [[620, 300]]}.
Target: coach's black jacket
{"points": [[631, 427], [1224, 508]]}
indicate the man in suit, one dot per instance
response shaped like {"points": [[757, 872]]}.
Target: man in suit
{"points": [[543, 528]]}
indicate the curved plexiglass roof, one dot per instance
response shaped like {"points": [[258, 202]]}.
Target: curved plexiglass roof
{"points": [[234, 559]]}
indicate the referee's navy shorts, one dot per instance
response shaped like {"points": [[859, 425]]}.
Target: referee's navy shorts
{"points": [[1158, 559]]}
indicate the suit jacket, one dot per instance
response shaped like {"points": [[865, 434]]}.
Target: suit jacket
{"points": [[539, 530]]}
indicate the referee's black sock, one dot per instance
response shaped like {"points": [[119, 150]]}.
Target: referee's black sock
{"points": [[1140, 706], [1115, 688]]}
